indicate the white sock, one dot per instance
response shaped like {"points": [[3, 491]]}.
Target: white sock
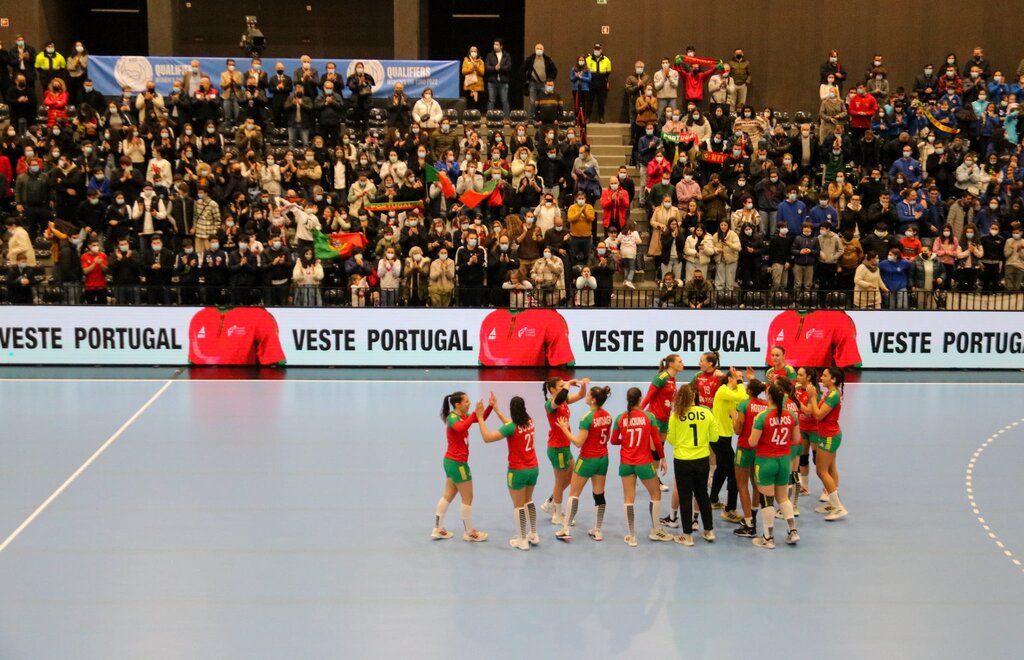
{"points": [[558, 508], [787, 513], [631, 519], [833, 499], [521, 522], [655, 515], [442, 509], [467, 516], [803, 481], [574, 505], [768, 521], [531, 512]]}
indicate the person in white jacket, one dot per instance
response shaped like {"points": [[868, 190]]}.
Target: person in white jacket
{"points": [[159, 173], [149, 208], [389, 271], [666, 86], [697, 250], [727, 254], [427, 111], [305, 222], [306, 276], [546, 212], [270, 176]]}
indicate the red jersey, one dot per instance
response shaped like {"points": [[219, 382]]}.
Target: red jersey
{"points": [[821, 338], [241, 335], [598, 424], [96, 279], [457, 430], [526, 338], [521, 452], [750, 409], [707, 385], [808, 424], [658, 400], [829, 425], [777, 433], [634, 431], [555, 436]]}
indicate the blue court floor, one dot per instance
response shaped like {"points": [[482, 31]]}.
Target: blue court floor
{"points": [[177, 515]]}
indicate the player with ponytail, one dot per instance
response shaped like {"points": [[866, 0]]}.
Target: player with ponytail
{"points": [[691, 429], [556, 391], [771, 436], [658, 402], [592, 464], [458, 478], [830, 436]]}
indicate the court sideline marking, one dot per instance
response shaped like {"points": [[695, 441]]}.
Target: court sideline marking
{"points": [[427, 382], [84, 466], [969, 481]]}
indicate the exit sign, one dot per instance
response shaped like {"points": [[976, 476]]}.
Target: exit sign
{"points": [[5, 22], [606, 29], [602, 2]]}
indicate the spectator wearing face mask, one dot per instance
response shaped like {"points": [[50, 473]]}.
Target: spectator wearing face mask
{"points": [[307, 275], [993, 259], [548, 275], [94, 272], [471, 268], [442, 280], [427, 111], [698, 293], [805, 253], [49, 64], [780, 257], [361, 85], [830, 251], [968, 260], [537, 70], [580, 76]]}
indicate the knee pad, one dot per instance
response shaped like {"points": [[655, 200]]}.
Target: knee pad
{"points": [[599, 499], [805, 460], [767, 501]]}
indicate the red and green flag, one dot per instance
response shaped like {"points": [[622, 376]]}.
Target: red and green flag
{"points": [[384, 207], [490, 194], [441, 178], [338, 244]]}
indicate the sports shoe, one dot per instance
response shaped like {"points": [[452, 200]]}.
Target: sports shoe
{"points": [[558, 519], [824, 508], [823, 497], [663, 486], [519, 544], [792, 537], [660, 535], [717, 505], [630, 285], [596, 534], [762, 542], [745, 531], [709, 536], [796, 511], [476, 536], [804, 490], [533, 538], [731, 516], [548, 506], [684, 539], [837, 513], [630, 540], [564, 535], [670, 521], [438, 534]]}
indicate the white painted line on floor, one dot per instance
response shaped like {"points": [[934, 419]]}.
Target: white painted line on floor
{"points": [[84, 466], [970, 489], [439, 381]]}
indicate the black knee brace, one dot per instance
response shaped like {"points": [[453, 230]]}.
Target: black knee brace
{"points": [[805, 460], [767, 501], [599, 499], [814, 452]]}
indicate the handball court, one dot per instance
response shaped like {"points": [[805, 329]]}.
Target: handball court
{"points": [[160, 513]]}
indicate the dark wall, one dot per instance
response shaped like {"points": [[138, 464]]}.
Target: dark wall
{"points": [[335, 28], [785, 46]]}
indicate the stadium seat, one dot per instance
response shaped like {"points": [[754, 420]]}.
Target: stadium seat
{"points": [[378, 117], [726, 298], [753, 299], [807, 299], [452, 115], [41, 114], [471, 117], [837, 299], [780, 299], [518, 117]]}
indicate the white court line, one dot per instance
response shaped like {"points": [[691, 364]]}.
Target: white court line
{"points": [[972, 502], [84, 466], [423, 382]]}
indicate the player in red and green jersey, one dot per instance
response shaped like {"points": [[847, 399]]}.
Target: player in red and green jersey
{"points": [[458, 479], [595, 430], [830, 436], [808, 428], [658, 402], [742, 423], [556, 406], [771, 435], [522, 464], [779, 368], [708, 379], [635, 432]]}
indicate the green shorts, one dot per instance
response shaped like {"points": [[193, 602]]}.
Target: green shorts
{"points": [[744, 458], [560, 457], [456, 471], [643, 472], [661, 425], [591, 467], [520, 479], [809, 437], [771, 470], [831, 443]]}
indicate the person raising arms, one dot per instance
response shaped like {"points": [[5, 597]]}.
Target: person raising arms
{"points": [[773, 429], [458, 478], [522, 464], [635, 432], [557, 405], [595, 430]]}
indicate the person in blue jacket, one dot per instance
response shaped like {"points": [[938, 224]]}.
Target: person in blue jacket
{"points": [[792, 212], [823, 213], [896, 272], [908, 212], [909, 166], [580, 77]]}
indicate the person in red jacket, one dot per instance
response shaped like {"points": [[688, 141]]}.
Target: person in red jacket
{"points": [[693, 80], [862, 108], [615, 204], [94, 268], [55, 98]]}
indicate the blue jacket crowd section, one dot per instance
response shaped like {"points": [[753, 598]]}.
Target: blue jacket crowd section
{"points": [[235, 185]]}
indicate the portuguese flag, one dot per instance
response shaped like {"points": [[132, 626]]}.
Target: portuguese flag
{"points": [[384, 207], [338, 244], [441, 178], [490, 194]]}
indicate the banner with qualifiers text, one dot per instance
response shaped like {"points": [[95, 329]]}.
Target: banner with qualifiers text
{"points": [[466, 338], [111, 73]]}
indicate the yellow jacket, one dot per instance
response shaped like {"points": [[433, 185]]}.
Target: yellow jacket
{"points": [[55, 63], [691, 437], [726, 400]]}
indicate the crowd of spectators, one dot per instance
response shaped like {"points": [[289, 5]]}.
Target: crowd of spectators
{"points": [[217, 192]]}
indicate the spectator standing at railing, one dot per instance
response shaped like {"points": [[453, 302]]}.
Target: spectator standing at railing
{"points": [[805, 252], [94, 270], [750, 267], [416, 279], [361, 85], [896, 273], [21, 280], [306, 277], [21, 98], [698, 292], [442, 279], [502, 260], [697, 251], [207, 219], [157, 263], [548, 275], [927, 277], [867, 283], [49, 64], [470, 268], [231, 92], [186, 273], [727, 253], [276, 261], [603, 269], [586, 288], [126, 274], [993, 244], [968, 260], [581, 228], [213, 265], [1013, 250]]}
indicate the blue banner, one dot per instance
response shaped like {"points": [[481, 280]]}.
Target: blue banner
{"points": [[111, 73]]}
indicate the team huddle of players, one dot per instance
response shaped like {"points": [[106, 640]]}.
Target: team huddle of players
{"points": [[779, 422]]}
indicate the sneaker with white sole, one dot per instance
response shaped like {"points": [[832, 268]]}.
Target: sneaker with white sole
{"points": [[439, 534], [596, 534], [731, 516], [558, 519], [823, 497], [824, 508], [476, 536], [717, 505], [548, 506], [564, 535], [660, 535], [762, 542], [670, 521], [804, 490], [629, 284], [792, 537], [709, 536], [533, 538], [685, 539], [519, 544], [796, 511], [837, 514], [630, 540], [663, 486], [745, 531]]}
